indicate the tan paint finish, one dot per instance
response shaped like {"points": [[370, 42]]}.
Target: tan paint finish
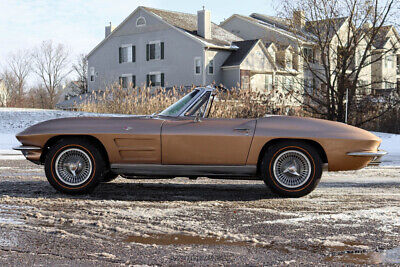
{"points": [[208, 142], [336, 139], [144, 140]]}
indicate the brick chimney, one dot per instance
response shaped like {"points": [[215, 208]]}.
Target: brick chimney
{"points": [[299, 19], [204, 23], [109, 30]]}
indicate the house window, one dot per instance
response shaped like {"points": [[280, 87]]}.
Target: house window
{"points": [[127, 81], [308, 54], [388, 85], [155, 79], [289, 62], [140, 22], [92, 74], [127, 53], [211, 67], [268, 82], [123, 81], [197, 65], [308, 86], [155, 51]]}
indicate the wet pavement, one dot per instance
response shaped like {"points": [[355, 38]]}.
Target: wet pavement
{"points": [[351, 218]]}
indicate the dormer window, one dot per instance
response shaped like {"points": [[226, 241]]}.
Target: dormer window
{"points": [[140, 22]]}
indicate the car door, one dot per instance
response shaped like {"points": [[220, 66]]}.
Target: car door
{"points": [[193, 141]]}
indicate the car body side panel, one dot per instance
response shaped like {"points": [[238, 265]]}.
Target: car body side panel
{"points": [[208, 142], [335, 138], [126, 139]]}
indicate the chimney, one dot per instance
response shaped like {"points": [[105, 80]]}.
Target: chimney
{"points": [[299, 19], [204, 23], [109, 30]]}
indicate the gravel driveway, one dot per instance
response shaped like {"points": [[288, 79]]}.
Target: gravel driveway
{"points": [[351, 218]]}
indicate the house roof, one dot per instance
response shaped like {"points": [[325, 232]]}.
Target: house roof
{"points": [[188, 23], [238, 56], [325, 26], [382, 37]]}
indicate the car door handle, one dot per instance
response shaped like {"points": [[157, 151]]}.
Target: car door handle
{"points": [[247, 130]]}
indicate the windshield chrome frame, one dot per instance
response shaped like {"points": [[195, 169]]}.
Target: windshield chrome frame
{"points": [[192, 102]]}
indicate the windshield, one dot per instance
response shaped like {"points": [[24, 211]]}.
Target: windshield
{"points": [[199, 109], [174, 109]]}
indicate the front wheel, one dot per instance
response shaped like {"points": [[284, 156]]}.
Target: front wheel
{"points": [[291, 169], [74, 166]]}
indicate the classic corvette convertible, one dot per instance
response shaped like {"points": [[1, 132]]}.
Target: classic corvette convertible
{"points": [[288, 153]]}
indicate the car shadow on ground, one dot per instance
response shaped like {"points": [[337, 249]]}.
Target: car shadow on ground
{"points": [[156, 191], [148, 191]]}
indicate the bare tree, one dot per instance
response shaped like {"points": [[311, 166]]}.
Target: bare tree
{"points": [[80, 69], [341, 42], [10, 85], [50, 64], [17, 70]]}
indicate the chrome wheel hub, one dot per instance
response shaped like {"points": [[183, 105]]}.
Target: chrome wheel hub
{"points": [[292, 169], [73, 166]]}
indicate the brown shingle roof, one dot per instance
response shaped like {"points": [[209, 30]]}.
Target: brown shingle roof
{"points": [[188, 23]]}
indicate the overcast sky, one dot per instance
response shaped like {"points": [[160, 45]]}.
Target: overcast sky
{"points": [[79, 24]]}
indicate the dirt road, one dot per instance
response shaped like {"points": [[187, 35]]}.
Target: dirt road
{"points": [[352, 217]]}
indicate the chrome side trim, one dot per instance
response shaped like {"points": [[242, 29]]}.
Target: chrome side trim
{"points": [[184, 170], [26, 148], [379, 153]]}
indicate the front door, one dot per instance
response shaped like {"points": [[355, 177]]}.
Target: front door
{"points": [[188, 141]]}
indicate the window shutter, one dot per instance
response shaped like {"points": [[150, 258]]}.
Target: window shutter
{"points": [[147, 80], [147, 52], [133, 53], [162, 50], [162, 79], [120, 55], [133, 81]]}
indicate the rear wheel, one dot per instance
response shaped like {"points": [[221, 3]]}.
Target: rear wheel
{"points": [[291, 169], [75, 166]]}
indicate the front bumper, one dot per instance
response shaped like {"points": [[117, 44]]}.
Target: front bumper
{"points": [[31, 153], [376, 156]]}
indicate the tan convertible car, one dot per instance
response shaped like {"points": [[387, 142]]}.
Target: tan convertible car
{"points": [[288, 153]]}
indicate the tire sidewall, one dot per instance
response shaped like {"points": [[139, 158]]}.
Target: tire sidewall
{"points": [[269, 177], [96, 159]]}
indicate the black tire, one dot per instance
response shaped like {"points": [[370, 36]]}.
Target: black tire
{"points": [[302, 167], [109, 177], [81, 151]]}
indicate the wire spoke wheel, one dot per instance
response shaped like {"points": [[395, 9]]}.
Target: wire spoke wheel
{"points": [[73, 167], [292, 169]]}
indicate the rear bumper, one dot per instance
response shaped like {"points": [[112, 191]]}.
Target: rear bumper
{"points": [[376, 156], [31, 153]]}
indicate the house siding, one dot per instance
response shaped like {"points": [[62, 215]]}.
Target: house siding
{"points": [[231, 77], [180, 50]]}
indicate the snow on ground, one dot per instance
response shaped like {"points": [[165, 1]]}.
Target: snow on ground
{"points": [[390, 143], [14, 120]]}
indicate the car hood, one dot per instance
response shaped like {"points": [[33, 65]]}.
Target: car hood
{"points": [[309, 127], [83, 125]]}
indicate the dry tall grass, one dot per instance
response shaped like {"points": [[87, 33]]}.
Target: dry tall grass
{"points": [[235, 103], [133, 101]]}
